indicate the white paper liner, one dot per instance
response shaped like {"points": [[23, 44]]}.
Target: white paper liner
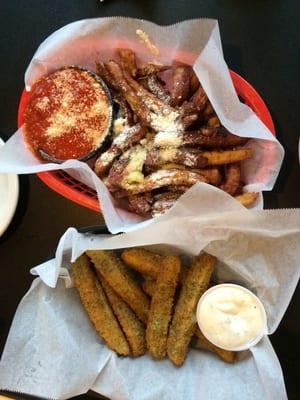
{"points": [[259, 249], [196, 42]]}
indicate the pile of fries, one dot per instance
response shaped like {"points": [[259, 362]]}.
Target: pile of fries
{"points": [[142, 301], [166, 137]]}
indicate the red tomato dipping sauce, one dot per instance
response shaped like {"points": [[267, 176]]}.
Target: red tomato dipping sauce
{"points": [[68, 114]]}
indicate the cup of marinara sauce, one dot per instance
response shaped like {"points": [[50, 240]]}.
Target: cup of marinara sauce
{"points": [[68, 115], [231, 317]]}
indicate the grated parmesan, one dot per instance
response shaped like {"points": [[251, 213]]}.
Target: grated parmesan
{"points": [[133, 171], [168, 139]]}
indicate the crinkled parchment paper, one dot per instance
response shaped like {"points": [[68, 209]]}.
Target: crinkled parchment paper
{"points": [[196, 42], [52, 350]]}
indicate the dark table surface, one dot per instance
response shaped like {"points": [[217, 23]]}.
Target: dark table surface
{"points": [[261, 42]]}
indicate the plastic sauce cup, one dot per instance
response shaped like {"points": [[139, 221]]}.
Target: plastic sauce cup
{"points": [[231, 317]]}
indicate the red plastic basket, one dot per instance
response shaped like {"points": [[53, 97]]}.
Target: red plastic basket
{"points": [[64, 184]]}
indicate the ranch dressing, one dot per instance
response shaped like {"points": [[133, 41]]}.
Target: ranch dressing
{"points": [[231, 317]]}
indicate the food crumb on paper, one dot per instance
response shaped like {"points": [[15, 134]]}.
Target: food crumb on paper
{"points": [[147, 41]]}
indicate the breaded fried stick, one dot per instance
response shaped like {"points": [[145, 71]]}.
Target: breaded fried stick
{"points": [[95, 303], [143, 261], [113, 270], [184, 319], [161, 307], [132, 327], [149, 286], [226, 355]]}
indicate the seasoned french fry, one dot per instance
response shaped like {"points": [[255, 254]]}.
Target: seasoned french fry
{"points": [[214, 122], [150, 100], [132, 327], [155, 86], [161, 307], [208, 110], [247, 199], [140, 203], [232, 178], [184, 319], [181, 84], [106, 76], [189, 120], [113, 270], [129, 137], [151, 69], [202, 342], [194, 82], [226, 156], [143, 261], [213, 175], [161, 178], [212, 138], [96, 305], [188, 157], [141, 111], [128, 61], [196, 104]]}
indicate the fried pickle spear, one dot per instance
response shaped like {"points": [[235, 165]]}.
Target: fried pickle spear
{"points": [[184, 319], [247, 199], [202, 342], [143, 261], [98, 309], [132, 327], [149, 283], [113, 270], [161, 307], [149, 286]]}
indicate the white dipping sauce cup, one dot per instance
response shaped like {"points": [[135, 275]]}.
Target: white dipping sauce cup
{"points": [[214, 317]]}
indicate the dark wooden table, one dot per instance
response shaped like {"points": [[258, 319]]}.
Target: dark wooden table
{"points": [[261, 42]]}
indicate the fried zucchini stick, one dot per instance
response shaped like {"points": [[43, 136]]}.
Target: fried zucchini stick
{"points": [[143, 261], [132, 327], [95, 303], [161, 307], [149, 286], [112, 269], [184, 319], [202, 342]]}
